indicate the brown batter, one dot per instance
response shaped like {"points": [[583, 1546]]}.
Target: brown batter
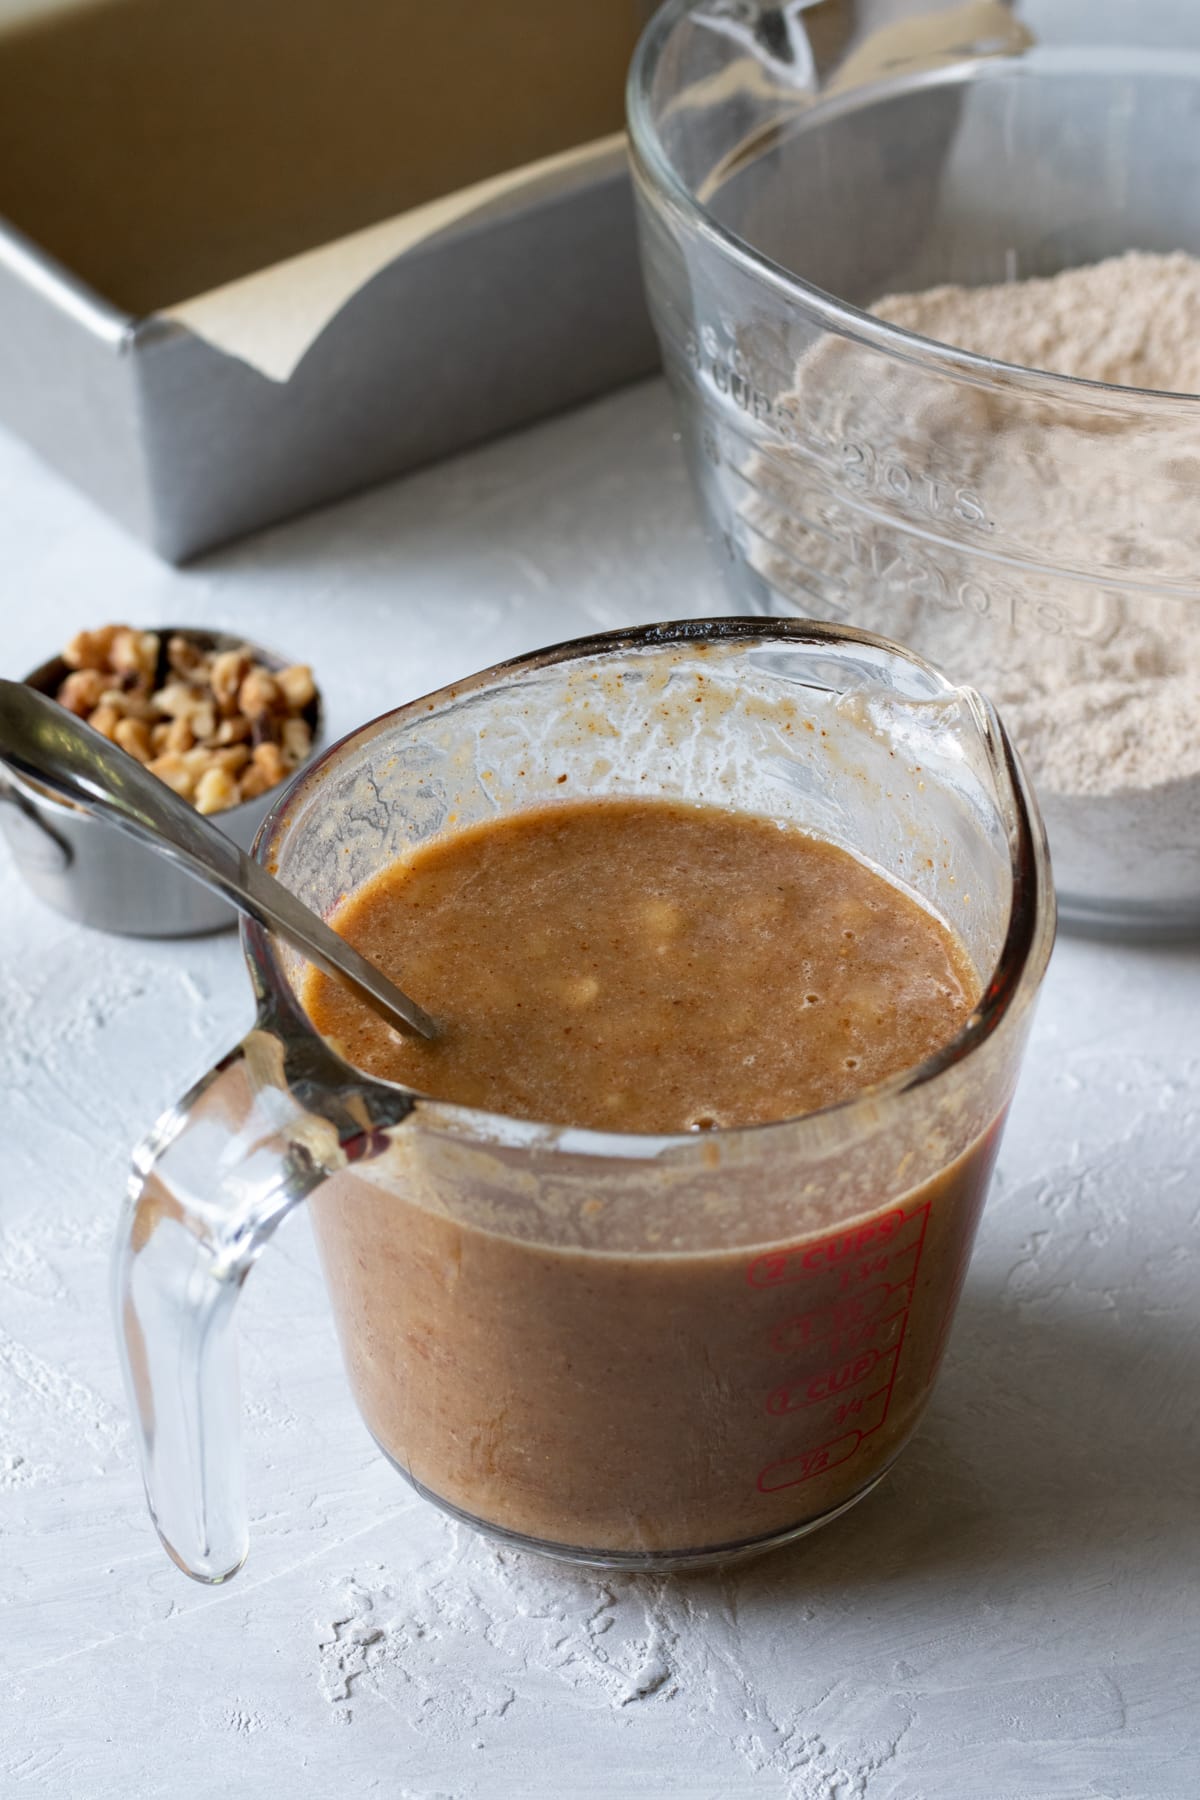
{"points": [[646, 966], [642, 966]]}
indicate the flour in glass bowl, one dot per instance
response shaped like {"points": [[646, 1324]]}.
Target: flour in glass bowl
{"points": [[1133, 321], [1115, 720], [1104, 717], [1098, 682]]}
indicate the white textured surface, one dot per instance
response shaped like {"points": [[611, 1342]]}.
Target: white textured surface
{"points": [[1012, 1616]]}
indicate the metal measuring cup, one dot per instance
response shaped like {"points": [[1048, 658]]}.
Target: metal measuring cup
{"points": [[92, 874]]}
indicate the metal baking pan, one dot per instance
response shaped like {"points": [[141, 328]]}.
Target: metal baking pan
{"points": [[197, 396]]}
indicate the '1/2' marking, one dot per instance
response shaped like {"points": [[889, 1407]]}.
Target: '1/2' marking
{"points": [[793, 1469]]}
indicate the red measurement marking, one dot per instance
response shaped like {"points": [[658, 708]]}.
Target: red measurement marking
{"points": [[792, 1470], [856, 1309], [800, 1262], [880, 1311], [860, 1405], [827, 1384], [868, 1267], [881, 1333]]}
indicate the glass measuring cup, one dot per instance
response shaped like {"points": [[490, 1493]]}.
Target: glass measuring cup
{"points": [[620, 1349], [1035, 535]]}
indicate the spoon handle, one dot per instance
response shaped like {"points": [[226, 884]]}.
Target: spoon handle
{"points": [[41, 740]]}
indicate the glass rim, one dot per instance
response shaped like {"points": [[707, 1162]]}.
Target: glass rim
{"points": [[1011, 983], [658, 174]]}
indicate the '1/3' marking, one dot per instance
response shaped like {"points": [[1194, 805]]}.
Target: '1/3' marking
{"points": [[859, 1309]]}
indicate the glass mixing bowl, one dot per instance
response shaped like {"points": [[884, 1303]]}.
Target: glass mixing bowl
{"points": [[1034, 534]]}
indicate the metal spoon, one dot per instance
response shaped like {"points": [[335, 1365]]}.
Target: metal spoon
{"points": [[41, 740]]}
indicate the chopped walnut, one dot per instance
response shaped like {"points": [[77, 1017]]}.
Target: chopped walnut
{"points": [[134, 735], [233, 731], [216, 726], [176, 699], [89, 649], [233, 757], [129, 703], [296, 738], [226, 675], [297, 686], [254, 782], [183, 657], [216, 790], [134, 653], [179, 735], [258, 694], [203, 721], [172, 769], [105, 720], [270, 759], [80, 693]]}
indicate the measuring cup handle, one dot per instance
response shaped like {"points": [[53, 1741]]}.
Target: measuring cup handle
{"points": [[208, 1188]]}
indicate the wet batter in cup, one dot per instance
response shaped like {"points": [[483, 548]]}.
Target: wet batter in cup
{"points": [[647, 967]]}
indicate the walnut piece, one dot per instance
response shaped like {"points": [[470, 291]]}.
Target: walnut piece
{"points": [[134, 653], [89, 649], [225, 678], [80, 693], [297, 686], [215, 790], [134, 735], [216, 726], [258, 694], [105, 720]]}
